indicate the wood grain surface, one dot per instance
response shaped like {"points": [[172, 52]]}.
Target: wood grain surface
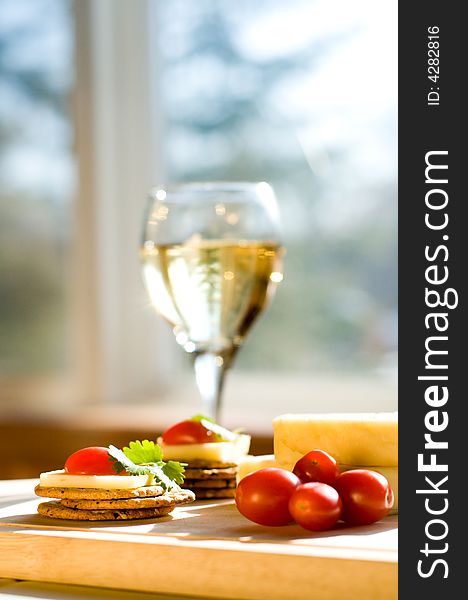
{"points": [[206, 549]]}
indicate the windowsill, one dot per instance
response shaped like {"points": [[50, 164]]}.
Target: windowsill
{"points": [[251, 401], [38, 438]]}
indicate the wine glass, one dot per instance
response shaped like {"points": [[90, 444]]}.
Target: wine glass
{"points": [[211, 257]]}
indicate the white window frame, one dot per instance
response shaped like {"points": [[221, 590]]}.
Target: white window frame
{"points": [[118, 358]]}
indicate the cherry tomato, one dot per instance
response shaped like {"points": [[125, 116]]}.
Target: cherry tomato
{"points": [[366, 496], [317, 465], [315, 506], [263, 496], [188, 432], [90, 461]]}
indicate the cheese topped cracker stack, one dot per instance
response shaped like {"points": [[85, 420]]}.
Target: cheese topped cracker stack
{"points": [[211, 454], [110, 484]]}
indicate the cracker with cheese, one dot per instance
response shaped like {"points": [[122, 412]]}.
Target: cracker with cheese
{"points": [[111, 484], [212, 455]]}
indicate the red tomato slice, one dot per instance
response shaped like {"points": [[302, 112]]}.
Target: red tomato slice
{"points": [[366, 496], [93, 460], [263, 496], [188, 432]]}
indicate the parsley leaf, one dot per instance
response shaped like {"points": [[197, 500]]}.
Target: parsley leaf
{"points": [[143, 452], [169, 474], [174, 470], [200, 418], [222, 434], [122, 463]]}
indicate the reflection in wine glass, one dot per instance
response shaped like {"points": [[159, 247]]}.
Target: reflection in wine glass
{"points": [[211, 259]]}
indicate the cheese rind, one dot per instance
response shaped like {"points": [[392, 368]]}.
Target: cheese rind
{"points": [[223, 452], [363, 439], [107, 482]]}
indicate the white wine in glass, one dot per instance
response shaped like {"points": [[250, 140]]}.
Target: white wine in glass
{"points": [[211, 258]]}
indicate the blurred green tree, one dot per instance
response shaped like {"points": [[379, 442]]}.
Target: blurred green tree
{"points": [[34, 228], [336, 307]]}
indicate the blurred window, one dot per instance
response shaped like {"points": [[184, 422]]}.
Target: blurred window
{"points": [[299, 93], [37, 171]]}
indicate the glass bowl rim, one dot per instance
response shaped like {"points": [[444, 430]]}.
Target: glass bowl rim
{"points": [[203, 187]]}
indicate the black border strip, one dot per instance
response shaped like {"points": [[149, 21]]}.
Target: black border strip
{"points": [[431, 131]]}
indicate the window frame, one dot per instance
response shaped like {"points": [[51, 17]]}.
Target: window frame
{"points": [[120, 353]]}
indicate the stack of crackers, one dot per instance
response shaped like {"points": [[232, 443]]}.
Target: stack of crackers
{"points": [[85, 504], [211, 479]]}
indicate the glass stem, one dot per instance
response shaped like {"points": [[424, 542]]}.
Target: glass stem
{"points": [[209, 373]]}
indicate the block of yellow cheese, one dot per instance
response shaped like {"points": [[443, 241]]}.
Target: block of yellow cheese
{"points": [[363, 439]]}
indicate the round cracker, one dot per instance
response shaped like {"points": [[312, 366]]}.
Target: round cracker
{"points": [[98, 494], [167, 499], [209, 483], [200, 463], [55, 510], [227, 473], [214, 493]]}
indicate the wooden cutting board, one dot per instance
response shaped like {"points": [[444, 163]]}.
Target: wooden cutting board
{"points": [[205, 549]]}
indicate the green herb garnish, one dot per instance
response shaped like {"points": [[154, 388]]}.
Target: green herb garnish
{"points": [[145, 458], [221, 433]]}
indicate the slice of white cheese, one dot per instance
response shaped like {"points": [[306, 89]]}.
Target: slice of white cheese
{"points": [[107, 482], [224, 452], [351, 438], [251, 463]]}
